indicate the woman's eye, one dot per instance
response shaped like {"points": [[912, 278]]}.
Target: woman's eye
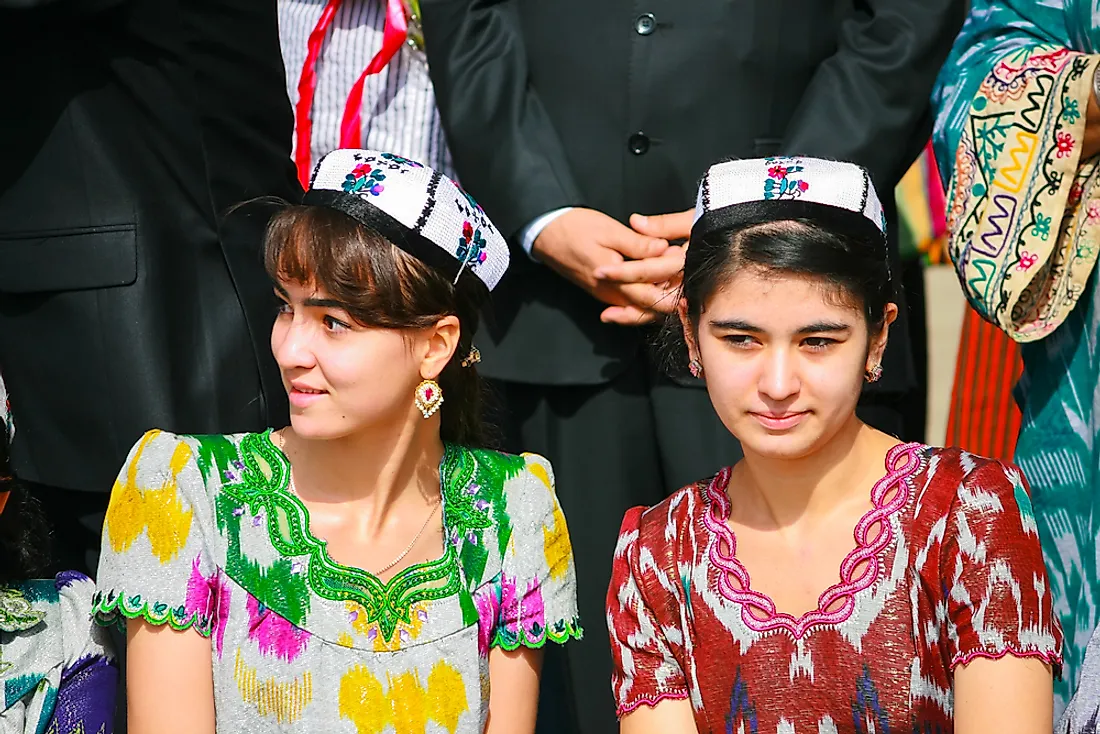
{"points": [[817, 343], [741, 341], [334, 324]]}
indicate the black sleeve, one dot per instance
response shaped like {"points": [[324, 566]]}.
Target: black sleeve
{"points": [[59, 8], [869, 103], [505, 149]]}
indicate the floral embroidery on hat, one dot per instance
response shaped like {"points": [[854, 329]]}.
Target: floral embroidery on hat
{"points": [[365, 179], [471, 246], [780, 185], [397, 161]]}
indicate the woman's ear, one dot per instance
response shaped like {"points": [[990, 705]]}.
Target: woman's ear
{"points": [[689, 330], [440, 343], [877, 347]]}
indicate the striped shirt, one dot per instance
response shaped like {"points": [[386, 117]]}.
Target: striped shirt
{"points": [[398, 115]]}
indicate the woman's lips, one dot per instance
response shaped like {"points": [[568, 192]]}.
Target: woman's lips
{"points": [[303, 398], [780, 422]]}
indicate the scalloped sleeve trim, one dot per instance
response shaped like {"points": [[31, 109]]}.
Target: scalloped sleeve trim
{"points": [[651, 700], [1051, 658], [111, 608], [559, 632]]}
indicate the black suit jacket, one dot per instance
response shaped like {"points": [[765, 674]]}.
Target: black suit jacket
{"points": [[128, 297], [622, 105]]}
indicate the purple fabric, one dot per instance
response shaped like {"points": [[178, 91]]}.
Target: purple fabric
{"points": [[86, 697]]}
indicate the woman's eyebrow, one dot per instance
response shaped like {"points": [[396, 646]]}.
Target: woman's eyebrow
{"points": [[815, 328], [820, 326], [325, 303]]}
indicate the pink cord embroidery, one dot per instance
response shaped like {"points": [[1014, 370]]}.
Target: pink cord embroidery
{"points": [[866, 551], [1049, 657], [650, 701]]}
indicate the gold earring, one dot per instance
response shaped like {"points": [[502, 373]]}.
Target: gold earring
{"points": [[874, 374], [429, 396]]}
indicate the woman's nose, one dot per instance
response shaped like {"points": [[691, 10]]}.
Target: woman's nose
{"points": [[290, 344], [779, 376]]}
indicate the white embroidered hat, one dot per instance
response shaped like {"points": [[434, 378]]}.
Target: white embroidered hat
{"points": [[415, 207], [747, 192]]}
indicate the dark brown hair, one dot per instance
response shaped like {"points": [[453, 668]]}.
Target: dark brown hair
{"points": [[381, 285], [24, 534]]}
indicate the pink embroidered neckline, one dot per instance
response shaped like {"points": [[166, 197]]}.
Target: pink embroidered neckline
{"points": [[723, 552]]}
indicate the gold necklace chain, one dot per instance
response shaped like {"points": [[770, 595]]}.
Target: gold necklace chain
{"points": [[408, 548]]}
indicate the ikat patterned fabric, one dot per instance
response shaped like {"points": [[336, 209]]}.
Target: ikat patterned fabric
{"points": [[204, 533], [946, 568]]}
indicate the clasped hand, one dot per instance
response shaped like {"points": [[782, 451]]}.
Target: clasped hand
{"points": [[634, 270]]}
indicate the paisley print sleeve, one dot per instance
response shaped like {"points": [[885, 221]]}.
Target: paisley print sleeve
{"points": [[156, 562], [645, 670], [537, 587], [998, 598]]}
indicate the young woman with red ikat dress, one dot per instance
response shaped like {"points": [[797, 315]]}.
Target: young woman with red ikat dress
{"points": [[835, 579]]}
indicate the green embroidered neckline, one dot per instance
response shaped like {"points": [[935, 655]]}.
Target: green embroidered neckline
{"points": [[263, 482], [16, 612]]}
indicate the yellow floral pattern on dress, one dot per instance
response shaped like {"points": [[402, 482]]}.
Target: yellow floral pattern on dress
{"points": [[406, 633], [407, 705], [283, 700], [555, 540], [156, 509]]}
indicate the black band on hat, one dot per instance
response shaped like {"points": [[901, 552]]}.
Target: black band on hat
{"points": [[750, 213], [371, 216]]}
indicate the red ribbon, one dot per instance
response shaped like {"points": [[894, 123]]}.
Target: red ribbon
{"points": [[393, 36]]}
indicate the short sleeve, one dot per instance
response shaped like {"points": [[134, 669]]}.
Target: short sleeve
{"points": [[998, 598], [538, 582], [159, 539], [645, 670]]}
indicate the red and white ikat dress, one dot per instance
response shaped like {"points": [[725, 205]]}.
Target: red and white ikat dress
{"points": [[946, 568]]}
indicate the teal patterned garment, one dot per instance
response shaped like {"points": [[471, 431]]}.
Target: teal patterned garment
{"points": [[1060, 391]]}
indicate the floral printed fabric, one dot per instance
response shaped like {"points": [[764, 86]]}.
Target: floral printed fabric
{"points": [[203, 532], [57, 672], [947, 568]]}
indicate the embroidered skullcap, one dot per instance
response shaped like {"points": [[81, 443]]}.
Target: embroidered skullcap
{"points": [[415, 207], [747, 192]]}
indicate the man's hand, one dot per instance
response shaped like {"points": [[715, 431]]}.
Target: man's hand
{"points": [[664, 271], [581, 241], [670, 227]]}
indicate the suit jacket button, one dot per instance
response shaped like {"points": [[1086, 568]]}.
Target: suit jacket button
{"points": [[638, 143], [645, 24]]}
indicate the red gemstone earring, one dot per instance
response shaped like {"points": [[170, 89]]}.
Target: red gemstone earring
{"points": [[874, 374], [429, 396], [696, 368]]}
